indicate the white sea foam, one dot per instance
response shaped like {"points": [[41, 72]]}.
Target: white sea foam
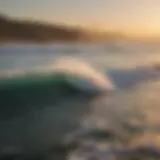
{"points": [[88, 77], [80, 74]]}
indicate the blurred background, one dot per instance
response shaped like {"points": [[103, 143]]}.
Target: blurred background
{"points": [[119, 38]]}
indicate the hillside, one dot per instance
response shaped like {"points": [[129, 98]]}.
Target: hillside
{"points": [[12, 30]]}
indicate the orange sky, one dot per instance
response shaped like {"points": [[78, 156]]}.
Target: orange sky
{"points": [[134, 17]]}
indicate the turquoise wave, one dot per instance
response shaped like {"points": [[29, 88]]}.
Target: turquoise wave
{"points": [[33, 90], [38, 110]]}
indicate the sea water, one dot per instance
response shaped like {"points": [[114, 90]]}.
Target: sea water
{"points": [[136, 104]]}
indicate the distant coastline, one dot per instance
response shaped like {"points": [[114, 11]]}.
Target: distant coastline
{"points": [[30, 32]]}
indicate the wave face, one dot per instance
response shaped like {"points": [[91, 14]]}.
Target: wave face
{"points": [[29, 110]]}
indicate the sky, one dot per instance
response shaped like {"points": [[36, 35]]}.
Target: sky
{"points": [[133, 17]]}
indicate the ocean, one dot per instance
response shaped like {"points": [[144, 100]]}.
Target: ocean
{"points": [[135, 101]]}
